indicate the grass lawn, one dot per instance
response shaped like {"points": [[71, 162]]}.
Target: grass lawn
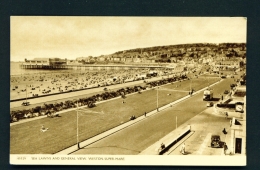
{"points": [[26, 138]]}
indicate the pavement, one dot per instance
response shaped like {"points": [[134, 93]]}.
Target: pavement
{"points": [[168, 140], [197, 142]]}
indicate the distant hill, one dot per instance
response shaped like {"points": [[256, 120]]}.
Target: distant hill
{"points": [[197, 47], [174, 53]]}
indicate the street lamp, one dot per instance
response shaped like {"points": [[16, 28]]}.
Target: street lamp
{"points": [[25, 103], [157, 99], [190, 86], [176, 122], [78, 124], [26, 92]]}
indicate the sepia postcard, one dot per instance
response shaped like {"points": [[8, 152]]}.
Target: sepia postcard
{"points": [[128, 90]]}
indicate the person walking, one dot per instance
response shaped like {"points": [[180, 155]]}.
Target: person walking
{"points": [[182, 149], [144, 114], [226, 115], [225, 148], [162, 146]]}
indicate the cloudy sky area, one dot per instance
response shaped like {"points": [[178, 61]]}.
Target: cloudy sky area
{"points": [[72, 37]]}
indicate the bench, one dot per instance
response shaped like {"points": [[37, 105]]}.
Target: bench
{"points": [[172, 141]]}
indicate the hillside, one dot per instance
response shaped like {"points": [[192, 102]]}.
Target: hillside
{"points": [[173, 53]]}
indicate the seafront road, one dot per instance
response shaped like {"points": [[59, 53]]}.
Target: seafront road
{"points": [[137, 137]]}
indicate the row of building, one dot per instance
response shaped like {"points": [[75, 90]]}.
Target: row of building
{"points": [[238, 123], [210, 60], [189, 53], [237, 142], [159, 58]]}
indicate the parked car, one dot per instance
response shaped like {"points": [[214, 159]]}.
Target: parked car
{"points": [[26, 103], [232, 85], [216, 142], [226, 92], [132, 117], [223, 76]]}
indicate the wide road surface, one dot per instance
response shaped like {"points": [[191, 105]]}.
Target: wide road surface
{"points": [[136, 138]]}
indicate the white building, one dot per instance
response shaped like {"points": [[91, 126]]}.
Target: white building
{"points": [[238, 133]]}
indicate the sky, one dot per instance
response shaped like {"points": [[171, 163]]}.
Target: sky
{"points": [[71, 37]]}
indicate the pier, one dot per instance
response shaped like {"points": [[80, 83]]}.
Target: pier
{"points": [[91, 66]]}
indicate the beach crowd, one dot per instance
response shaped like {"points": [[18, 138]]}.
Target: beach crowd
{"points": [[34, 85]]}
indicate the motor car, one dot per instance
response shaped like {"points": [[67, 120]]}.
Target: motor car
{"points": [[223, 76], [210, 104], [26, 103], [132, 117], [232, 85], [226, 92], [216, 142]]}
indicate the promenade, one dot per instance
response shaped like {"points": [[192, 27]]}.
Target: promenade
{"points": [[76, 94]]}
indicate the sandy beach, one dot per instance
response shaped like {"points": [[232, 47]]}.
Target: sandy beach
{"points": [[47, 83]]}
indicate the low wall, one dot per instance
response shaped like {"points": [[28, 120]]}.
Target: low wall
{"points": [[175, 139]]}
